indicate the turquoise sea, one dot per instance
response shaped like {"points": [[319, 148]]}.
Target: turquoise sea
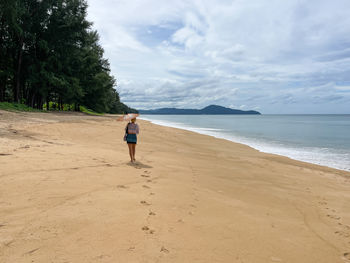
{"points": [[318, 139]]}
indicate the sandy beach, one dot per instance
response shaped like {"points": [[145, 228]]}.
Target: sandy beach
{"points": [[69, 194]]}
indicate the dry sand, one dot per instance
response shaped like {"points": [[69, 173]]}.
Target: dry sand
{"points": [[69, 194]]}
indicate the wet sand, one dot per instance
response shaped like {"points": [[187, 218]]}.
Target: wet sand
{"points": [[69, 194]]}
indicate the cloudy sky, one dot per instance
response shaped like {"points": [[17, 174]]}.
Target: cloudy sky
{"points": [[290, 56]]}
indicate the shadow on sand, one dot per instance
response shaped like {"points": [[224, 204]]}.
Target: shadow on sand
{"points": [[138, 165]]}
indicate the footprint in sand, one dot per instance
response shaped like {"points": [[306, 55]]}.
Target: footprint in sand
{"points": [[150, 231], [131, 248], [146, 186], [102, 257], [334, 217], [7, 244], [120, 186], [152, 213], [342, 233], [144, 175], [31, 251], [146, 172], [346, 256], [164, 250], [149, 181], [151, 193], [145, 203]]}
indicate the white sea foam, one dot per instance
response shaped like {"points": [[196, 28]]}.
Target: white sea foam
{"points": [[316, 155]]}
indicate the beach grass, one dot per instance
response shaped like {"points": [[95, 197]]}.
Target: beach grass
{"points": [[8, 106], [17, 107], [90, 112]]}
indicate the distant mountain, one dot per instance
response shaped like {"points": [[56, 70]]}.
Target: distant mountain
{"points": [[209, 110]]}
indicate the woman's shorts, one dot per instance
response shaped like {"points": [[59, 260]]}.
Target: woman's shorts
{"points": [[131, 138]]}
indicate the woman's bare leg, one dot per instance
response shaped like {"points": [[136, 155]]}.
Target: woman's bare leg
{"points": [[133, 151], [130, 152]]}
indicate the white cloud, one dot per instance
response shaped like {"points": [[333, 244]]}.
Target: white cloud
{"points": [[343, 88], [194, 53]]}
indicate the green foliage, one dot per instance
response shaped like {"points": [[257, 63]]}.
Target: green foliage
{"points": [[50, 55], [54, 106], [87, 111], [16, 107]]}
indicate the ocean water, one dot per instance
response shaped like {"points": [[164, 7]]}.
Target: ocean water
{"points": [[318, 139]]}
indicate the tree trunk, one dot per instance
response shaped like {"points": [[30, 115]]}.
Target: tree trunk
{"points": [[2, 89], [47, 103], [3, 65], [18, 72], [32, 101], [61, 104], [39, 103]]}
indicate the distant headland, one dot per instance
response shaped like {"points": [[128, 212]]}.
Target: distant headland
{"points": [[209, 110]]}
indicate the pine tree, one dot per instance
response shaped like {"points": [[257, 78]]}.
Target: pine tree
{"points": [[49, 53]]}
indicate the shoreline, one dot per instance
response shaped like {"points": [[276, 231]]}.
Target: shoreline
{"points": [[216, 134], [69, 194]]}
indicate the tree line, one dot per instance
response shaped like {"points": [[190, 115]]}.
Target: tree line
{"points": [[49, 55]]}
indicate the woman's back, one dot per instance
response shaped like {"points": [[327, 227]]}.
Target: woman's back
{"points": [[133, 128]]}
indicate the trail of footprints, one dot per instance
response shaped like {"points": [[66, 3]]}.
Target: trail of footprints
{"points": [[194, 192], [343, 230], [150, 213], [148, 230]]}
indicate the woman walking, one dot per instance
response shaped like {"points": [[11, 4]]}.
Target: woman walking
{"points": [[131, 131]]}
